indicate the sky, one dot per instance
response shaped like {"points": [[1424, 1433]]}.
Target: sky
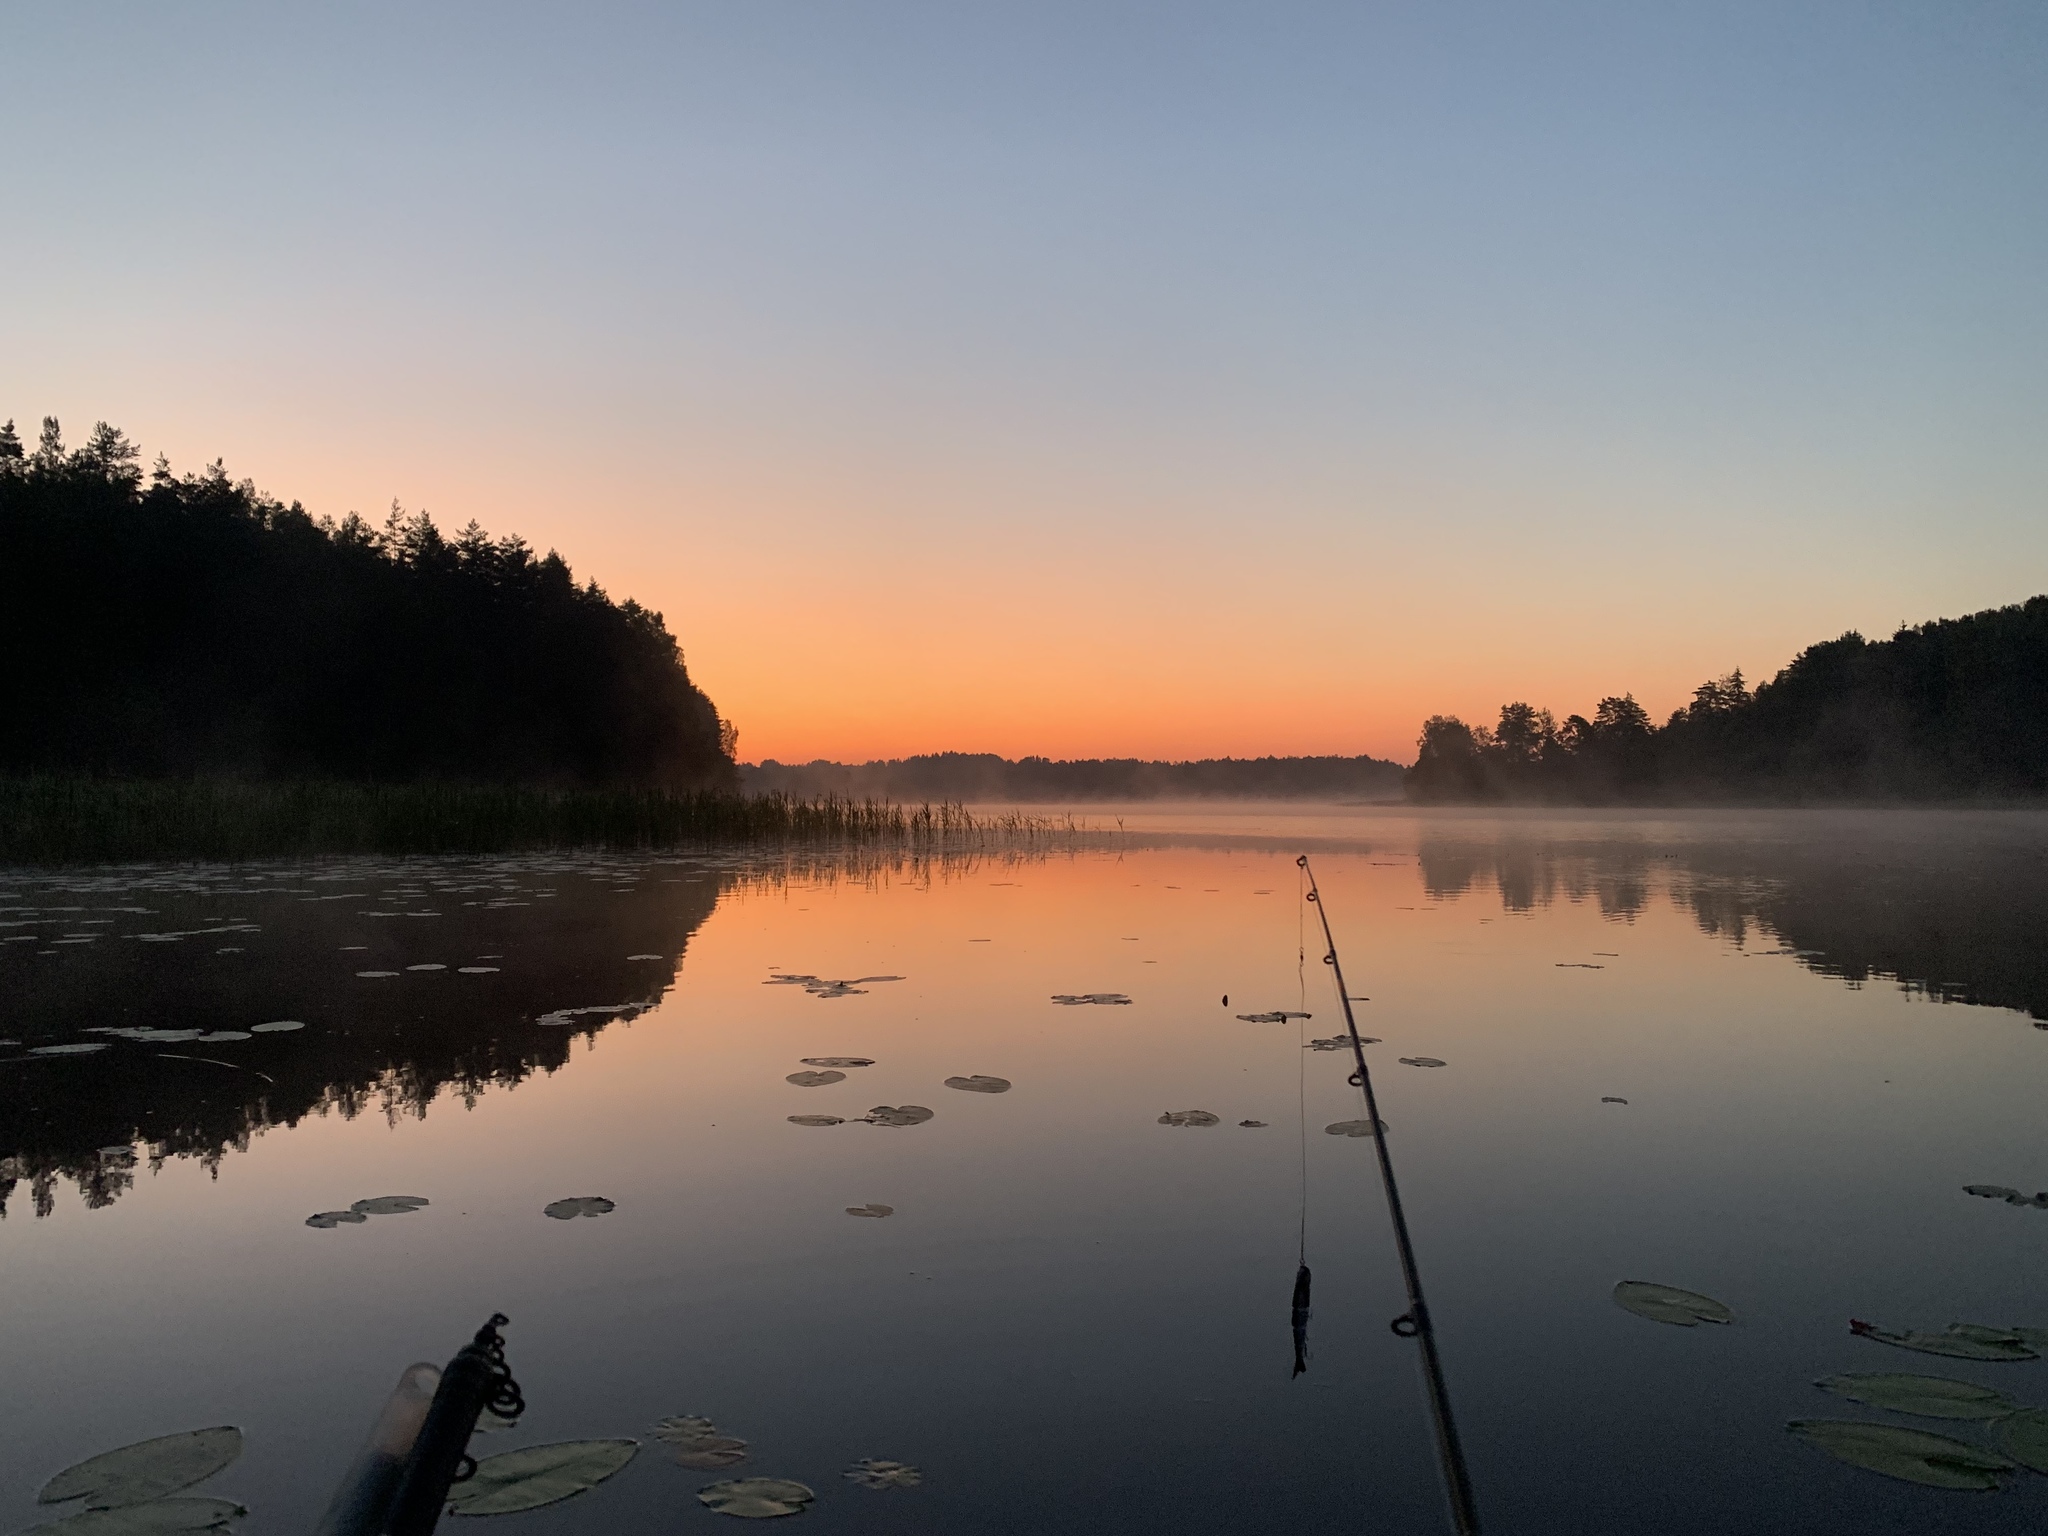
{"points": [[1087, 379]]}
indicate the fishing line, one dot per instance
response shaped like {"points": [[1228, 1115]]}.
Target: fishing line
{"points": [[1415, 1322], [1298, 1308]]}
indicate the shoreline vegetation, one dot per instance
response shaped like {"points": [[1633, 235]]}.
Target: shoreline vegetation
{"points": [[984, 778], [47, 820], [1952, 711]]}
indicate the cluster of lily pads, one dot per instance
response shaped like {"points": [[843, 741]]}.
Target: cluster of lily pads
{"points": [[363, 1210], [2038, 1200], [138, 1490], [699, 1443], [2020, 1433], [819, 986]]}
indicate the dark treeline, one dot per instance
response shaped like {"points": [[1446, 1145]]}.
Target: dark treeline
{"points": [[1954, 709], [984, 777], [176, 625]]}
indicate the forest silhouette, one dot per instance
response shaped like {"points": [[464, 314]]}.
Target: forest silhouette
{"points": [[1953, 709], [176, 625]]}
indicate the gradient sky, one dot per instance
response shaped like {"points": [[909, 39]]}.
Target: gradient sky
{"points": [[1164, 379]]}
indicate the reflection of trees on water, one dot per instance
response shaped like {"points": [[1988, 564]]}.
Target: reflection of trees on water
{"points": [[390, 1046], [1948, 910]]}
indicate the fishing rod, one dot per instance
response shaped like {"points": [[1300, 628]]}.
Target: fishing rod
{"points": [[1414, 1323]]}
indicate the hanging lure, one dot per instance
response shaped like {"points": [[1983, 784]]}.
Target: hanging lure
{"points": [[1300, 1320]]}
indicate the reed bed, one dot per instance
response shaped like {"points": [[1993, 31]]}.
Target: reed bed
{"points": [[55, 820]]}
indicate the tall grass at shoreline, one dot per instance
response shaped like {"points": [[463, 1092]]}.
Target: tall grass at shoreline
{"points": [[56, 820]]}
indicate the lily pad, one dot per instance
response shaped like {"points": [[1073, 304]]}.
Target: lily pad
{"points": [[1420, 1061], [756, 1498], [871, 1209], [2024, 1437], [578, 1205], [817, 1119], [1277, 1016], [277, 1026], [814, 1079], [1609, 1098], [1931, 1397], [1189, 1117], [537, 1475], [328, 1220], [1668, 1304], [708, 1452], [979, 1084], [871, 1473], [1252, 1125], [1990, 1191], [684, 1426], [897, 1114], [1912, 1455], [157, 1517], [1961, 1341], [1351, 1128], [1076, 999], [146, 1470], [1339, 1043], [838, 1061], [80, 1048], [390, 1205]]}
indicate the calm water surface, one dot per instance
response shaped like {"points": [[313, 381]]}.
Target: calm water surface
{"points": [[1076, 1318]]}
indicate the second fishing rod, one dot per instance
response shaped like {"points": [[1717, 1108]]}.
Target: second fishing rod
{"points": [[1415, 1322]]}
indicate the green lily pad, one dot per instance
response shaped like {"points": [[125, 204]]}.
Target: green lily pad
{"points": [[871, 1473], [538, 1474], [1351, 1128], [578, 1205], [897, 1114], [329, 1220], [1190, 1117], [147, 1470], [158, 1517], [1912, 1455], [979, 1084], [816, 1119], [1961, 1341], [2024, 1437], [1668, 1304], [814, 1079], [871, 1209], [839, 1061], [1420, 1061], [1932, 1397], [756, 1498], [390, 1205]]}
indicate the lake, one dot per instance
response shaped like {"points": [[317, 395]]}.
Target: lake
{"points": [[1753, 1055]]}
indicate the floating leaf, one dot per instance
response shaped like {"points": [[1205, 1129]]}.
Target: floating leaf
{"points": [[838, 1061], [147, 1470], [1913, 1455], [81, 1048], [1962, 1341], [685, 1426], [1278, 1016], [643, 957], [327, 1220], [708, 1452], [817, 1120], [1194, 1117], [158, 1517], [814, 1079], [871, 1209], [871, 1473], [1932, 1397], [1352, 1128], [390, 1205], [578, 1205], [1420, 1061], [277, 1026], [538, 1474], [2024, 1437], [1610, 1099], [478, 970], [756, 1498], [979, 1084], [226, 1034], [1339, 1043], [897, 1114], [376, 973], [1668, 1304], [1252, 1125], [1990, 1191], [1076, 999]]}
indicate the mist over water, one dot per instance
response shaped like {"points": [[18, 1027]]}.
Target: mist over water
{"points": [[1820, 1027]]}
